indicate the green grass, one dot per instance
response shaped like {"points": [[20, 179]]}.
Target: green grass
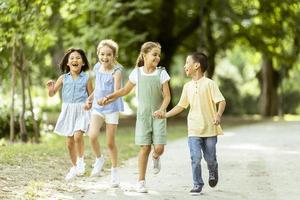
{"points": [[54, 147]]}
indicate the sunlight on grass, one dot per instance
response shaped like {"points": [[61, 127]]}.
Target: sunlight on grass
{"points": [[291, 117]]}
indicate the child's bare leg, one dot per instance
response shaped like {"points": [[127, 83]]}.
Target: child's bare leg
{"points": [[95, 125], [111, 130], [143, 160], [158, 150], [71, 149], [79, 143]]}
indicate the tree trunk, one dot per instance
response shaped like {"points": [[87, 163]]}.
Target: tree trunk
{"points": [[13, 86], [269, 79], [210, 41], [35, 123], [23, 132]]}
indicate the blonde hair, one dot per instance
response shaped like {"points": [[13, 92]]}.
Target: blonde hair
{"points": [[111, 44], [146, 47]]}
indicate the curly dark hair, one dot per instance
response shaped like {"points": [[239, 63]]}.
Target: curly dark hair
{"points": [[63, 64]]}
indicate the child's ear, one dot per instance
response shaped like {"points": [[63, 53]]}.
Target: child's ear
{"points": [[197, 66]]}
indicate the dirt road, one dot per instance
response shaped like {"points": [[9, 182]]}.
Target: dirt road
{"points": [[260, 162]]}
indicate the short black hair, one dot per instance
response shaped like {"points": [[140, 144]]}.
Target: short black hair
{"points": [[201, 58], [63, 64]]}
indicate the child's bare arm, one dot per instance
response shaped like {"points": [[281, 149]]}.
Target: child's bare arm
{"points": [[89, 101], [166, 96], [117, 80], [174, 111], [166, 100], [89, 87], [121, 92], [221, 107], [53, 87]]}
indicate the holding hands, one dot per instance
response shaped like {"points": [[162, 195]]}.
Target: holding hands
{"points": [[160, 114], [88, 104], [104, 101]]}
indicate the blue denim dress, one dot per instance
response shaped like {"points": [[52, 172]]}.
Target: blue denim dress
{"points": [[73, 117]]}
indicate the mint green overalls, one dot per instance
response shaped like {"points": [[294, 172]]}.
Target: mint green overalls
{"points": [[149, 130]]}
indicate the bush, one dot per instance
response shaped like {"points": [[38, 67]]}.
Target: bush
{"points": [[231, 94], [291, 101], [5, 125]]}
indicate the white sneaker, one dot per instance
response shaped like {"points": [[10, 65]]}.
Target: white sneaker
{"points": [[156, 165], [141, 187], [80, 167], [115, 180], [71, 174], [97, 166]]}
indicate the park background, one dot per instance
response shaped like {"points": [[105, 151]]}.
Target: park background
{"points": [[253, 48]]}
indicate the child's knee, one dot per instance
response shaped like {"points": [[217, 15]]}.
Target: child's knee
{"points": [[146, 149], [111, 145], [93, 137], [78, 139], [70, 144], [196, 158], [159, 149]]}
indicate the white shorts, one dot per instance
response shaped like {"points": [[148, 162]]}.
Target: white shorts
{"points": [[111, 118]]}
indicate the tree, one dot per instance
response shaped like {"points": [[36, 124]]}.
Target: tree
{"points": [[268, 30], [23, 30]]}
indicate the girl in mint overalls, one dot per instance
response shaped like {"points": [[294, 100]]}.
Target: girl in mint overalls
{"points": [[153, 96]]}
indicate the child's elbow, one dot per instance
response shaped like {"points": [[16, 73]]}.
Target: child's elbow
{"points": [[224, 103], [167, 98]]}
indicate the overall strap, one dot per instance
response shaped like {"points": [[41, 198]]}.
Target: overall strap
{"points": [[138, 80], [159, 70]]}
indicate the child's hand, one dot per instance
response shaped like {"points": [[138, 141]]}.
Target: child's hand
{"points": [[159, 114], [103, 101], [50, 85], [217, 119], [87, 105]]}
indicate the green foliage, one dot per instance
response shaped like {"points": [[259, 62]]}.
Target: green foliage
{"points": [[45, 29], [236, 104], [291, 101], [5, 126], [232, 96]]}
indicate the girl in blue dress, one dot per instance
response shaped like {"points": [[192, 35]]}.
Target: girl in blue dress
{"points": [[73, 120]]}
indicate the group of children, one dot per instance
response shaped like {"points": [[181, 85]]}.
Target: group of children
{"points": [[84, 110]]}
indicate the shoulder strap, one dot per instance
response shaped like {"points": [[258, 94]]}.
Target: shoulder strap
{"points": [[97, 66], [117, 68], [160, 69]]}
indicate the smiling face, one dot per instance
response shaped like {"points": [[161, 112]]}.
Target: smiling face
{"points": [[152, 58], [191, 67], [106, 56], [75, 62]]}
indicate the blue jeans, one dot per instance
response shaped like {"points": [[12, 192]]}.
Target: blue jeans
{"points": [[208, 147]]}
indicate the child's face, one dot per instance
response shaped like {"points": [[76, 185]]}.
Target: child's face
{"points": [[106, 56], [75, 62], [152, 58], [190, 66]]}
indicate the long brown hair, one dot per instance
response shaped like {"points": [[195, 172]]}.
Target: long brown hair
{"points": [[146, 47], [64, 62]]}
